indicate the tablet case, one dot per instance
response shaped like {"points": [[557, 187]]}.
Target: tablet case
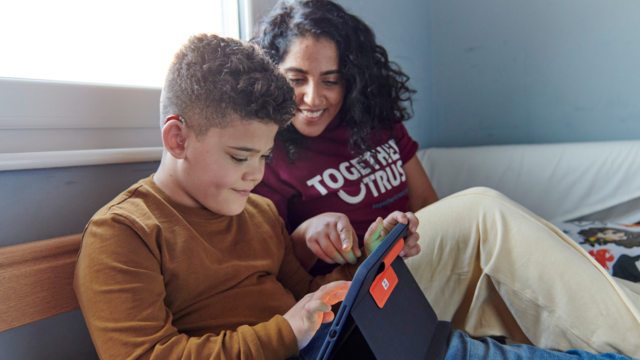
{"points": [[385, 315]]}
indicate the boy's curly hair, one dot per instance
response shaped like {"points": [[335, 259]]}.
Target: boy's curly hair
{"points": [[377, 96], [211, 78]]}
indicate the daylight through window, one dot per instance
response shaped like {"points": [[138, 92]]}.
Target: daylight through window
{"points": [[126, 42]]}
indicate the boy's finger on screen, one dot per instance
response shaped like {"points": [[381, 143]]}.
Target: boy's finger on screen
{"points": [[337, 297], [327, 317], [313, 307], [325, 292]]}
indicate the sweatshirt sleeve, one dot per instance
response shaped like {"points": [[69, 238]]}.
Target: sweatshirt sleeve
{"points": [[405, 145], [120, 288]]}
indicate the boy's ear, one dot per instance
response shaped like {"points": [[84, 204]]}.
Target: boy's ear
{"points": [[174, 138]]}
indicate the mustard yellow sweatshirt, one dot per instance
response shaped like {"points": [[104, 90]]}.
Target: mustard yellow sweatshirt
{"points": [[159, 280]]}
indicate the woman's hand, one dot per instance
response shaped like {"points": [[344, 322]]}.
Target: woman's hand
{"points": [[314, 309], [381, 228], [327, 236]]}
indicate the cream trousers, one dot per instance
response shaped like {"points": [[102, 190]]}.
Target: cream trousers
{"points": [[493, 267]]}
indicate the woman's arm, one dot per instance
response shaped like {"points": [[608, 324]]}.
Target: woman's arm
{"points": [[421, 192]]}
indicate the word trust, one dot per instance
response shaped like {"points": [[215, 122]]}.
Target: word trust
{"points": [[386, 173]]}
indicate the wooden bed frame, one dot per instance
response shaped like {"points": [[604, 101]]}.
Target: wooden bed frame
{"points": [[36, 280]]}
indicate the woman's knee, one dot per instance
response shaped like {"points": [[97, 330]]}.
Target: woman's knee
{"points": [[483, 191], [476, 198], [463, 204]]}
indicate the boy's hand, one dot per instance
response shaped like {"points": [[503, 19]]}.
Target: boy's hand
{"points": [[330, 237], [381, 228], [314, 309]]}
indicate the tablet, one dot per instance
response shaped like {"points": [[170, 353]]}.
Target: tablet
{"points": [[385, 315]]}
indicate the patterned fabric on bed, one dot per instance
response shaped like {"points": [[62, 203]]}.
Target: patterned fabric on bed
{"points": [[615, 246]]}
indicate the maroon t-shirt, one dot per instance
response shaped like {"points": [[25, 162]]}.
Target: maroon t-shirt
{"points": [[327, 177]]}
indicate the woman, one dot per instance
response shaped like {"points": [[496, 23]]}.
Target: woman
{"points": [[347, 92], [487, 264]]}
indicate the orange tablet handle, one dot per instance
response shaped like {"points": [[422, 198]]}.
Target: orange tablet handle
{"points": [[387, 280]]}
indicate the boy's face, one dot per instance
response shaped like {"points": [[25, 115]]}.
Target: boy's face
{"points": [[219, 170]]}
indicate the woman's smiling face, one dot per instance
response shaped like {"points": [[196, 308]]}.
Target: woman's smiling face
{"points": [[311, 66]]}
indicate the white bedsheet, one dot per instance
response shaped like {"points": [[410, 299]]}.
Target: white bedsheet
{"points": [[559, 182]]}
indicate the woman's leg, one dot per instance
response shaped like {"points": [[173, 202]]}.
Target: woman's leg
{"points": [[464, 348], [494, 268]]}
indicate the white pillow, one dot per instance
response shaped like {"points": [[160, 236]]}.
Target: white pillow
{"points": [[558, 182]]}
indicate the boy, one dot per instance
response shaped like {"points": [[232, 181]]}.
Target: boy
{"points": [[187, 263]]}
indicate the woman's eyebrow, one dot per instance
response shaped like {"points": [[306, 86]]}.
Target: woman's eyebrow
{"points": [[294, 69], [330, 72]]}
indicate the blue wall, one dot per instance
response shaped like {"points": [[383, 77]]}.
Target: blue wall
{"points": [[510, 72], [48, 203]]}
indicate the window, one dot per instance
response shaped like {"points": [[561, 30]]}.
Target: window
{"points": [[82, 79], [124, 42]]}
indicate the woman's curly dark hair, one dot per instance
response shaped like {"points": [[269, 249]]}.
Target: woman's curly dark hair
{"points": [[212, 77], [376, 90]]}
